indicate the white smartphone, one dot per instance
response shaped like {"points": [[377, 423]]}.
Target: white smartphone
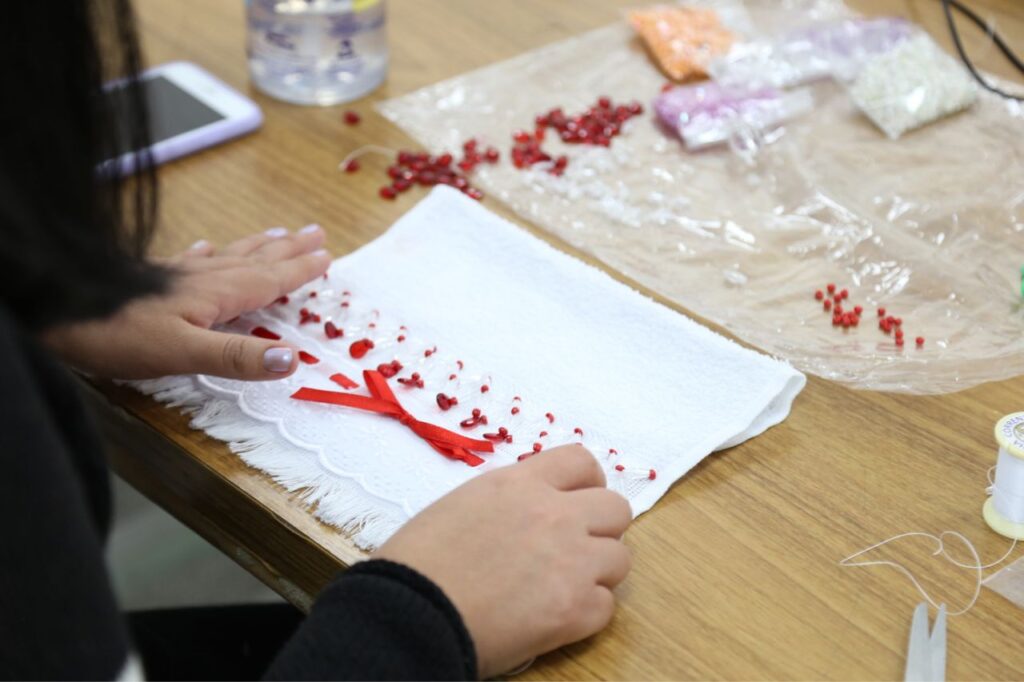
{"points": [[189, 109]]}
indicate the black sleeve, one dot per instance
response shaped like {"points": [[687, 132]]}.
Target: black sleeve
{"points": [[58, 617], [379, 621]]}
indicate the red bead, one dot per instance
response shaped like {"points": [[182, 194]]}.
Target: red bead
{"points": [[858, 309], [282, 300], [651, 475], [604, 102], [899, 340], [443, 402], [308, 358], [343, 381], [491, 154], [386, 193], [265, 333], [515, 410], [332, 331], [401, 338], [578, 431], [551, 418], [352, 118], [612, 451], [819, 294], [827, 304], [360, 348], [525, 455], [445, 159], [898, 321], [485, 388], [537, 447], [881, 312], [352, 166], [619, 467], [831, 288], [919, 340], [543, 434], [844, 293]]}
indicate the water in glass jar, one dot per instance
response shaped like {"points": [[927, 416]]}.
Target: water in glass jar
{"points": [[317, 51]]}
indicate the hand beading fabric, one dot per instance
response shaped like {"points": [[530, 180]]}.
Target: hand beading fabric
{"points": [[457, 343]]}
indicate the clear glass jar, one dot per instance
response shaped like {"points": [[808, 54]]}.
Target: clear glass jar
{"points": [[317, 51]]}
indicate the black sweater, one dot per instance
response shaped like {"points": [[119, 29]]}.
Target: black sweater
{"points": [[58, 615]]}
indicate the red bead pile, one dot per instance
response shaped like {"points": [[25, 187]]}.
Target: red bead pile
{"points": [[420, 168], [595, 126], [833, 301]]}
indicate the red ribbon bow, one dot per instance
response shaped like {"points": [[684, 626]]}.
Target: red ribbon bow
{"points": [[383, 401]]}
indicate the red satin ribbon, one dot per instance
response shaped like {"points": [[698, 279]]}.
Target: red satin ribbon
{"points": [[383, 401]]}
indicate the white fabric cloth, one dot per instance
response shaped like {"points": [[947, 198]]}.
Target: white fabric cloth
{"points": [[525, 319]]}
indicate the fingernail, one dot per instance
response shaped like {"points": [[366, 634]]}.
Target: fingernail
{"points": [[320, 252], [309, 229], [277, 360], [201, 244], [277, 232]]}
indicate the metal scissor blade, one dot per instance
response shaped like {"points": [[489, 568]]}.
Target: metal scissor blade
{"points": [[918, 650], [937, 647]]}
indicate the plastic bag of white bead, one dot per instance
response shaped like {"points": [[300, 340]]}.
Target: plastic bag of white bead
{"points": [[929, 228], [913, 84], [835, 48]]}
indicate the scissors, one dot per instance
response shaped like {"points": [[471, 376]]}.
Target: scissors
{"points": [[926, 654]]}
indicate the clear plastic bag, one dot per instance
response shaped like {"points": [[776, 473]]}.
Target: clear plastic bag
{"points": [[930, 226], [706, 114], [832, 48]]}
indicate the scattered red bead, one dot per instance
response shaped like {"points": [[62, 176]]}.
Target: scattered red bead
{"points": [[413, 381], [578, 431], [819, 294], [265, 333], [881, 312], [351, 118], [515, 410], [308, 358], [831, 288], [651, 475], [332, 331], [360, 348], [919, 340], [343, 381], [352, 166], [387, 193], [390, 369], [551, 418], [446, 402], [827, 305], [485, 388], [619, 467]]}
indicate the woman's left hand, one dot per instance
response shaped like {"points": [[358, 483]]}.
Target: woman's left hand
{"points": [[170, 334]]}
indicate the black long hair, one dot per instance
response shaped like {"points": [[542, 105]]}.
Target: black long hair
{"points": [[73, 232]]}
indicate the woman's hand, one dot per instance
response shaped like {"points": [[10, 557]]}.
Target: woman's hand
{"points": [[528, 554], [170, 334]]}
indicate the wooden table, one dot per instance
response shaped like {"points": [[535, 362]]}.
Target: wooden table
{"points": [[736, 570]]}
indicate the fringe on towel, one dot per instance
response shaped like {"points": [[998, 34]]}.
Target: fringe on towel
{"points": [[332, 498]]}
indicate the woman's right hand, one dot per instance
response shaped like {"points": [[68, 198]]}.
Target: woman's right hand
{"points": [[528, 554]]}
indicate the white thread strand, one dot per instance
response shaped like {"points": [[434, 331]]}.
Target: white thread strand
{"points": [[366, 149], [903, 569], [977, 566]]}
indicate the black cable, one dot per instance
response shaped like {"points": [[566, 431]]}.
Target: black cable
{"points": [[1003, 47]]}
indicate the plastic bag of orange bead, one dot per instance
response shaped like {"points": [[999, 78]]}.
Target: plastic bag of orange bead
{"points": [[931, 225]]}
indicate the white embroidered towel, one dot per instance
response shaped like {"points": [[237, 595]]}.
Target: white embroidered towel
{"points": [[545, 346]]}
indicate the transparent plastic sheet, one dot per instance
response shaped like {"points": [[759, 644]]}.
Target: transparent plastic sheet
{"points": [[1009, 582], [929, 226]]}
